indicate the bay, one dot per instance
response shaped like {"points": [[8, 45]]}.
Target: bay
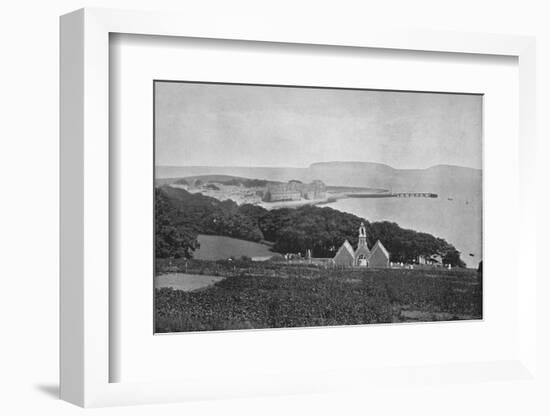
{"points": [[457, 220]]}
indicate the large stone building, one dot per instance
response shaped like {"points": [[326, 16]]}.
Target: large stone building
{"points": [[377, 257], [294, 191], [283, 192]]}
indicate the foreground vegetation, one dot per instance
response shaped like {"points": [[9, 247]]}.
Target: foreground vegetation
{"points": [[279, 295]]}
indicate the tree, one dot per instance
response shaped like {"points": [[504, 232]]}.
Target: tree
{"points": [[452, 257], [171, 241]]}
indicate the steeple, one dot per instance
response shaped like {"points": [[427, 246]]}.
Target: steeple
{"points": [[362, 236]]}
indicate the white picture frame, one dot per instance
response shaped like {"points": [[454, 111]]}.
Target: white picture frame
{"points": [[85, 164]]}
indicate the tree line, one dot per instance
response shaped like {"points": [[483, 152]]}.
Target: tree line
{"points": [[180, 216]]}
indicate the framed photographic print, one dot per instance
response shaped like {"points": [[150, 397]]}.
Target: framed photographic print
{"points": [[330, 210], [263, 196]]}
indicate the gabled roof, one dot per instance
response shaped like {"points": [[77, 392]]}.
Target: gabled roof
{"points": [[380, 246], [346, 246]]}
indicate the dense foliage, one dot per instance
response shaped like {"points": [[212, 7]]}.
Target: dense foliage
{"points": [[295, 230], [174, 236], [271, 295], [208, 215]]}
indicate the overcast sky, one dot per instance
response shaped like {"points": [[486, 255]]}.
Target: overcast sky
{"points": [[239, 125]]}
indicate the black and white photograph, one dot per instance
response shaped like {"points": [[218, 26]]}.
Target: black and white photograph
{"points": [[288, 206]]}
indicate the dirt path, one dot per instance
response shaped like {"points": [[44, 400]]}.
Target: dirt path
{"points": [[186, 282]]}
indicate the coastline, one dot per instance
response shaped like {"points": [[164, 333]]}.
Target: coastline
{"points": [[331, 197]]}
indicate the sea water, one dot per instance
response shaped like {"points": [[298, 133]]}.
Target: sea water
{"points": [[457, 220]]}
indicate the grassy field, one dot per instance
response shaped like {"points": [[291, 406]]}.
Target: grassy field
{"points": [[278, 295], [215, 247]]}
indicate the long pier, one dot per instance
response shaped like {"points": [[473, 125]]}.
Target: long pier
{"points": [[393, 195], [414, 195]]}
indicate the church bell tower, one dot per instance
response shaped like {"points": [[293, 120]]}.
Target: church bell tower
{"points": [[362, 236]]}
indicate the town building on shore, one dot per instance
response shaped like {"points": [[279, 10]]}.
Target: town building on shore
{"points": [[377, 257], [295, 191]]}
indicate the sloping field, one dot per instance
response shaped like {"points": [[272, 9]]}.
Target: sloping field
{"points": [[215, 247]]}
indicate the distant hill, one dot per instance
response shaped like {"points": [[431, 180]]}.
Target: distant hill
{"points": [[441, 179], [222, 179], [268, 173], [445, 180], [216, 178]]}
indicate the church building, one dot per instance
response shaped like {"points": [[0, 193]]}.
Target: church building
{"points": [[377, 257]]}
